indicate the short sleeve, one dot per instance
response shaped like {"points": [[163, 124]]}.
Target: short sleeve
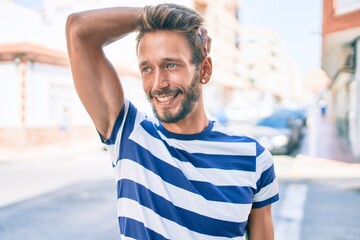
{"points": [[267, 190]]}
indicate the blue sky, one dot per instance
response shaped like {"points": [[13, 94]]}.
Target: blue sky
{"points": [[30, 3], [298, 24]]}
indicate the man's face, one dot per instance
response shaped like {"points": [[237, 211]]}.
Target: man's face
{"points": [[170, 80]]}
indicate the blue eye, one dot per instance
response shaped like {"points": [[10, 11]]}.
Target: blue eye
{"points": [[171, 65], [146, 70]]}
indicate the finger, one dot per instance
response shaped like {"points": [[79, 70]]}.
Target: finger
{"points": [[208, 44], [202, 33], [206, 40]]}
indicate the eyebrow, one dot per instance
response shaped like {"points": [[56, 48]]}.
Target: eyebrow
{"points": [[172, 60], [167, 59], [143, 63]]}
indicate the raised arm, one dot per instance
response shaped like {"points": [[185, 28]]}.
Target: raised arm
{"points": [[95, 79]]}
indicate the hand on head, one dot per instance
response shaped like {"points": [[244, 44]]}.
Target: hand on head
{"points": [[206, 40]]}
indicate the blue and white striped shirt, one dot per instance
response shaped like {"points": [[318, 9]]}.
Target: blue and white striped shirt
{"points": [[194, 186]]}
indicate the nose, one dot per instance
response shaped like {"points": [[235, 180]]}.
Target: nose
{"points": [[160, 79]]}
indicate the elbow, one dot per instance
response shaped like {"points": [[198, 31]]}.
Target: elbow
{"points": [[76, 27], [72, 27]]}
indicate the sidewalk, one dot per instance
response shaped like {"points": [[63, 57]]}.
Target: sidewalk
{"points": [[31, 172], [322, 140], [322, 155], [48, 152]]}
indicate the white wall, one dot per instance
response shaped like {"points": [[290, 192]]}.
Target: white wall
{"points": [[50, 90], [10, 95]]}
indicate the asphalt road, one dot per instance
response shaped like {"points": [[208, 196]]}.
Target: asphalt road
{"points": [[309, 209], [80, 211], [317, 210]]}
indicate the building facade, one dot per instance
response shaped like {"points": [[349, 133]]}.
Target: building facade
{"points": [[264, 63], [38, 99], [341, 62], [38, 102], [248, 65]]}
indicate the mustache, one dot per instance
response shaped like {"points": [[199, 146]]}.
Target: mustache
{"points": [[165, 91]]}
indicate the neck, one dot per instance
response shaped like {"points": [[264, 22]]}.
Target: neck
{"points": [[191, 124]]}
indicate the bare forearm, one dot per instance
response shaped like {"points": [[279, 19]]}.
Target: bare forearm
{"points": [[101, 26]]}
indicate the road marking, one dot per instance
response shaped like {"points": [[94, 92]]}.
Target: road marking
{"points": [[288, 224]]}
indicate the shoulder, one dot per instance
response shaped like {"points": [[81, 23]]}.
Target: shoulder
{"points": [[224, 134], [133, 114], [233, 143], [127, 120]]}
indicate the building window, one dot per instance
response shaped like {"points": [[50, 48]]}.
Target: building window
{"points": [[345, 6]]}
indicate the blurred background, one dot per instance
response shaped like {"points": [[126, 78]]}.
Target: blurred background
{"points": [[285, 72]]}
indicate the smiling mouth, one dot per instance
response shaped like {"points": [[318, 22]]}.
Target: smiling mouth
{"points": [[165, 98]]}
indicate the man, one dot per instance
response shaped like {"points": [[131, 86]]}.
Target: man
{"points": [[179, 175]]}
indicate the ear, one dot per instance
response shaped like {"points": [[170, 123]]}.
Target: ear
{"points": [[206, 70]]}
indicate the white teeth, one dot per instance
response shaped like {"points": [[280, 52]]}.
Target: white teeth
{"points": [[165, 99]]}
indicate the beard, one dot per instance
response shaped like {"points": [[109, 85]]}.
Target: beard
{"points": [[192, 96]]}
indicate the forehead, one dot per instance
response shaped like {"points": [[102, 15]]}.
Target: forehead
{"points": [[163, 44]]}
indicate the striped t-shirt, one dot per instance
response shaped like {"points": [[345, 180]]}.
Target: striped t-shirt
{"points": [[192, 186]]}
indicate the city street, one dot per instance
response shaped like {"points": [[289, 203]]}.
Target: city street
{"points": [[319, 187], [62, 192], [286, 73]]}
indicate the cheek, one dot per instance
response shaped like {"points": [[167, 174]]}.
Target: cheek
{"points": [[146, 85]]}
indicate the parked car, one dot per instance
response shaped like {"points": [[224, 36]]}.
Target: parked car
{"points": [[279, 133], [297, 114]]}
